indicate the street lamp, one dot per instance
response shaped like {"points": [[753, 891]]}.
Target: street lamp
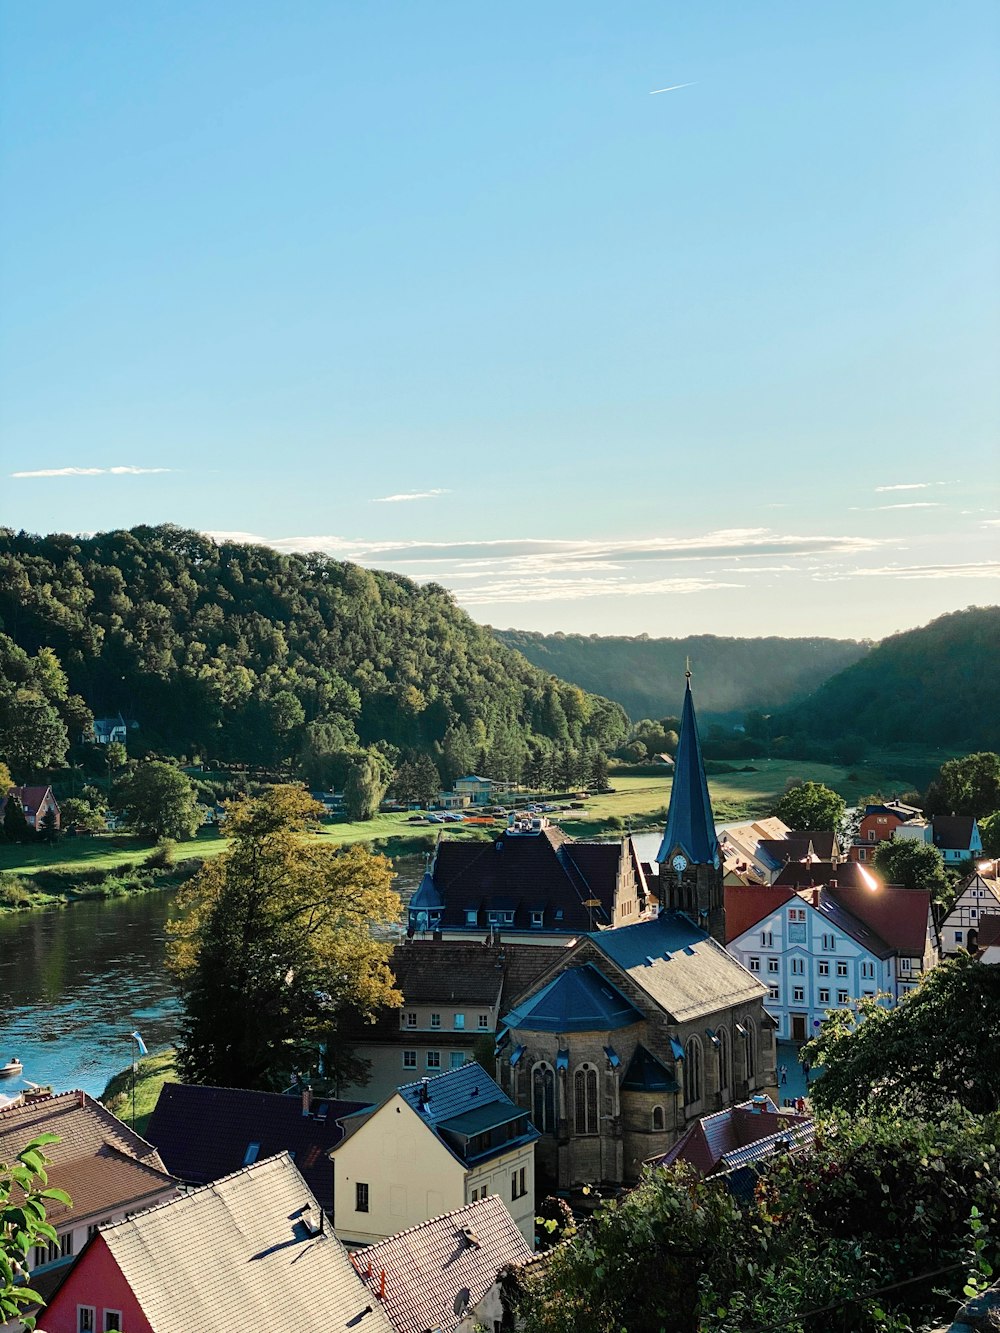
{"points": [[140, 1049]]}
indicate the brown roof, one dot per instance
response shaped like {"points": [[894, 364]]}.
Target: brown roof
{"points": [[424, 1269], [715, 1137], [204, 1134], [898, 916], [989, 930], [29, 797], [824, 841], [98, 1160], [525, 872], [750, 903], [797, 873]]}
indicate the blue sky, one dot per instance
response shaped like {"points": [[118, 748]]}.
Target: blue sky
{"points": [[721, 359]]}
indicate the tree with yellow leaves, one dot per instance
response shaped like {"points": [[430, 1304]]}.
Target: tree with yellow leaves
{"points": [[272, 941]]}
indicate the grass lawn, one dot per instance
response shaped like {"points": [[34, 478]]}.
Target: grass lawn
{"points": [[152, 1072]]}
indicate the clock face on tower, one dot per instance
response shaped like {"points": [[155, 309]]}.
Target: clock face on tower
{"points": [[679, 863]]}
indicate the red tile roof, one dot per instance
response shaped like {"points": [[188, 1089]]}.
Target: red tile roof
{"points": [[711, 1138], [746, 904], [30, 797], [989, 930], [898, 916]]}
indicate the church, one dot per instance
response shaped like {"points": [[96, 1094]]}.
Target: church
{"points": [[639, 1029]]}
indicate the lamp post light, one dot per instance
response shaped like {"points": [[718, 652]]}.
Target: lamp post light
{"points": [[140, 1049]]}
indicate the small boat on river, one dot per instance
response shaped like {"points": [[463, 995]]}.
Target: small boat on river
{"points": [[11, 1068]]}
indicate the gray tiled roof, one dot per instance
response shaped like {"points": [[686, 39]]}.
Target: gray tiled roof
{"points": [[426, 1267], [248, 1230], [678, 966]]}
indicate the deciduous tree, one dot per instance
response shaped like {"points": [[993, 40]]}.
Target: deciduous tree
{"points": [[159, 801], [24, 1192], [273, 940], [966, 786], [811, 807], [914, 865], [365, 785]]}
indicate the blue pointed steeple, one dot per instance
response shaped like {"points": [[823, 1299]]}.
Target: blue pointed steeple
{"points": [[690, 830]]}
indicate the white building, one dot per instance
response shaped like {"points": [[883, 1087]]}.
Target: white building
{"points": [[978, 895], [825, 948]]}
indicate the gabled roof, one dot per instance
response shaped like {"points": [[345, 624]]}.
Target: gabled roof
{"points": [[253, 1231], [683, 970], [645, 1073], [580, 999], [953, 831], [824, 841], [98, 1160], [206, 1133], [690, 824], [453, 1094], [542, 870], [733, 1137], [30, 798], [750, 903], [898, 917], [850, 874], [418, 1274]]}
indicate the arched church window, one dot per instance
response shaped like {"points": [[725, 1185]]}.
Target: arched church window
{"points": [[585, 1099], [692, 1071], [543, 1098], [725, 1060], [750, 1041], [658, 1120]]}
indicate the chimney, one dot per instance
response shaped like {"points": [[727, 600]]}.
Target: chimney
{"points": [[81, 1099], [425, 1095], [757, 1105], [307, 1098], [815, 897]]}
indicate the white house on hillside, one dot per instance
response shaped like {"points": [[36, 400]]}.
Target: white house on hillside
{"points": [[978, 896]]}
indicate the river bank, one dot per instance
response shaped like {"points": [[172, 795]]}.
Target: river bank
{"points": [[151, 1073]]}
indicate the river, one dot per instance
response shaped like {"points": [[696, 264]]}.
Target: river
{"points": [[74, 983]]}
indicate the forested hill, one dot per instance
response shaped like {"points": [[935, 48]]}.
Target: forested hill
{"points": [[239, 652], [646, 675], [939, 684]]}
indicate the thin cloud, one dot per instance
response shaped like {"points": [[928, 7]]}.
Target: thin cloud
{"points": [[909, 504], [985, 569], [404, 496], [672, 89], [92, 471], [910, 486]]}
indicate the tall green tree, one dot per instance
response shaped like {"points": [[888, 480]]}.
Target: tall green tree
{"points": [[15, 826], [966, 786], [811, 807], [272, 942], [914, 865], [416, 780], [24, 1192], [989, 830], [33, 736], [935, 1048], [365, 785], [159, 801]]}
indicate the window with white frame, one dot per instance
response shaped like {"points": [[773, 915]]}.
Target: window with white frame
{"points": [[409, 1059], [86, 1319], [824, 996], [766, 939], [435, 1020], [459, 1022], [796, 914], [484, 1023], [112, 1321], [774, 992], [361, 1197], [798, 966], [823, 969], [798, 995], [754, 964], [433, 1059], [843, 997], [830, 942], [411, 1019], [841, 969], [772, 964]]}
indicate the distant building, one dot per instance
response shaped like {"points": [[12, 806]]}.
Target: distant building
{"points": [[879, 824], [430, 1147], [203, 1134], [478, 790], [36, 802], [825, 947], [977, 896], [108, 729], [248, 1252], [956, 837], [105, 1167], [444, 1273]]}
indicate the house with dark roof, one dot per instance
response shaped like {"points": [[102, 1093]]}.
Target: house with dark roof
{"points": [[203, 1134], [36, 802], [531, 881], [826, 946], [453, 995], [956, 837], [635, 1032], [105, 1167], [733, 1143], [251, 1251], [444, 1274], [879, 823], [430, 1147]]}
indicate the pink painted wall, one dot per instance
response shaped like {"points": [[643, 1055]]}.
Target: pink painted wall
{"points": [[95, 1279]]}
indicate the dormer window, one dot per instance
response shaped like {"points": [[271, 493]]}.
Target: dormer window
{"points": [[471, 916], [537, 920]]}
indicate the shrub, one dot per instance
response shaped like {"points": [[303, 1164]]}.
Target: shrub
{"points": [[162, 855], [13, 892]]}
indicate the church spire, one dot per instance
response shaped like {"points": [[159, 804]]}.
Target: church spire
{"points": [[690, 831]]}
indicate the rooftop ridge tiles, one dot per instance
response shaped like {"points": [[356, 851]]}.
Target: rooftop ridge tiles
{"points": [[432, 1221]]}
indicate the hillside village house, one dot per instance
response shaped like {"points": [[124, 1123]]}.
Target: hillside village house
{"points": [[956, 837], [107, 1170], [639, 1030], [454, 992], [248, 1253], [444, 1273], [879, 824], [825, 947], [37, 802], [532, 882], [977, 895], [431, 1147]]}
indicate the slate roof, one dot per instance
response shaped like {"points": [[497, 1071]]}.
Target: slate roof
{"points": [[452, 1094], [797, 873], [678, 966], [427, 1266], [690, 824], [249, 1230], [645, 1073], [427, 894], [747, 904], [824, 841], [953, 831], [98, 1160], [579, 999], [524, 872], [733, 1137], [204, 1133]]}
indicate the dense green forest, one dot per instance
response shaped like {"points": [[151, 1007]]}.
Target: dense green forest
{"points": [[238, 653], [939, 684], [645, 675]]}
